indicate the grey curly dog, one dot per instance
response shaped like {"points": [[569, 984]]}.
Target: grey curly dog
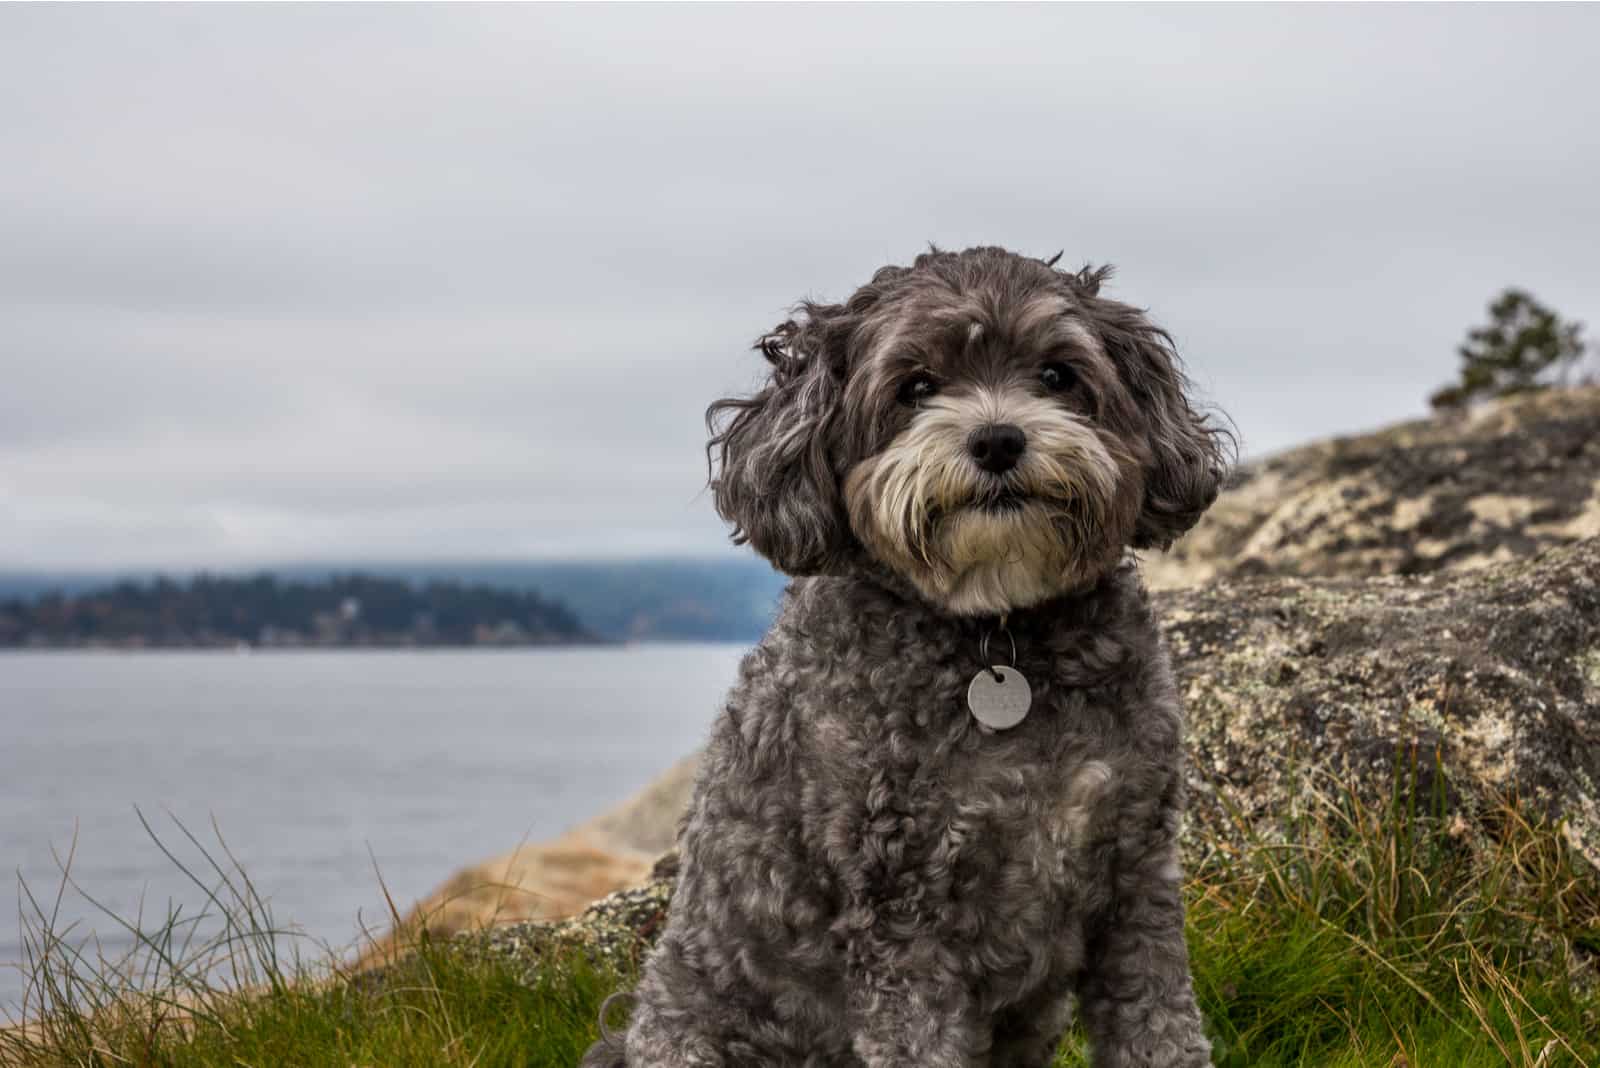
{"points": [[876, 869]]}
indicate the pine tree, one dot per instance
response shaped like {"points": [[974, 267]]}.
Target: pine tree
{"points": [[1523, 343]]}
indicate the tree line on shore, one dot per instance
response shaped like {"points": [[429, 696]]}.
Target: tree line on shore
{"points": [[265, 611]]}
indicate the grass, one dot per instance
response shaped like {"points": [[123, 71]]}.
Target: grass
{"points": [[1394, 935], [1399, 935], [227, 986]]}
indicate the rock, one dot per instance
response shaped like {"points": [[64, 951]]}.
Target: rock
{"points": [[1493, 676], [612, 932], [1444, 494]]}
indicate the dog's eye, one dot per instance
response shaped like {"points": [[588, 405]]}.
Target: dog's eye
{"points": [[1056, 377], [918, 387]]}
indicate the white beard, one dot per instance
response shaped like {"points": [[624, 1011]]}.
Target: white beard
{"points": [[919, 505]]}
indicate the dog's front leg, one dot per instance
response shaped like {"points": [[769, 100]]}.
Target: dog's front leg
{"points": [[901, 1020], [1136, 998]]}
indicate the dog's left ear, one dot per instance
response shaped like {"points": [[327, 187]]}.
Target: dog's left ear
{"points": [[1188, 454], [770, 455]]}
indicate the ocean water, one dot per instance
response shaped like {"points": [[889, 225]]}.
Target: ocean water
{"points": [[317, 766]]}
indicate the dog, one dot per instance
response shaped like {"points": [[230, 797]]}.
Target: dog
{"points": [[883, 863]]}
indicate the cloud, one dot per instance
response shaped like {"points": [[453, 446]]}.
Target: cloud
{"points": [[295, 282]]}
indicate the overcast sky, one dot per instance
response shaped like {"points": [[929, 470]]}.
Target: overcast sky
{"points": [[294, 283]]}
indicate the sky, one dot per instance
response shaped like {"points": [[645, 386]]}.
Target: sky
{"points": [[297, 283]]}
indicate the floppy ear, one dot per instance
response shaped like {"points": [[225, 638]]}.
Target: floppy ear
{"points": [[1188, 454], [772, 473]]}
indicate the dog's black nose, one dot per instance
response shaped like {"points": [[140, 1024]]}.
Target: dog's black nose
{"points": [[997, 447]]}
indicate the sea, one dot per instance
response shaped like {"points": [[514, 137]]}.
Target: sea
{"points": [[328, 776]]}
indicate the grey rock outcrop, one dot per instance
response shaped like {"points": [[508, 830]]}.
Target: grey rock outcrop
{"points": [[1444, 494], [1492, 677]]}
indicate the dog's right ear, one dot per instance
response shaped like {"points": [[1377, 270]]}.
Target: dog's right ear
{"points": [[772, 474]]}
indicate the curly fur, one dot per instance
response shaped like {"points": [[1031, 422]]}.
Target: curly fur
{"points": [[868, 877]]}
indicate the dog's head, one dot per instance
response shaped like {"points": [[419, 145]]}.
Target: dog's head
{"points": [[985, 425]]}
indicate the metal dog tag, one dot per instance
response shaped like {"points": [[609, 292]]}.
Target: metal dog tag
{"points": [[999, 703]]}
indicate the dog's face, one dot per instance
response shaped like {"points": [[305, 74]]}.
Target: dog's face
{"points": [[983, 424], [991, 477]]}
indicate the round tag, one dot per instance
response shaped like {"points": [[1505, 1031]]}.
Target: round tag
{"points": [[999, 703]]}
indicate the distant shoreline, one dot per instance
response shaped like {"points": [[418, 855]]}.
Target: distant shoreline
{"points": [[405, 605], [270, 650], [264, 612], [310, 647]]}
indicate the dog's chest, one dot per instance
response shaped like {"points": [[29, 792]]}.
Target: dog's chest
{"points": [[948, 811], [992, 847]]}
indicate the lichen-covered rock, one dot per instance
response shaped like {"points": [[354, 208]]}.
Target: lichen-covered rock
{"points": [[1450, 493], [613, 932], [1490, 675]]}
